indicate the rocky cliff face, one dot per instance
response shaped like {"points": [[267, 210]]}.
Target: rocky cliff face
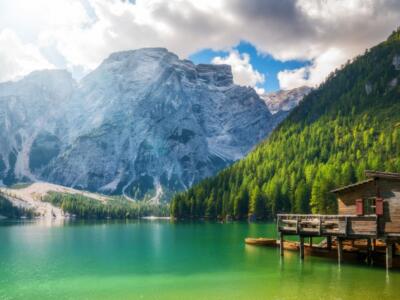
{"points": [[33, 122], [285, 100], [144, 123]]}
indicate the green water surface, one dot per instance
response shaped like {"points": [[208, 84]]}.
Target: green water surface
{"points": [[163, 260]]}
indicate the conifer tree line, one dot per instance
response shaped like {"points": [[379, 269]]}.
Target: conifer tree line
{"points": [[83, 207], [116, 208], [350, 124], [7, 209]]}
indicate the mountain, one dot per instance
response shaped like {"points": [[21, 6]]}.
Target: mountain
{"points": [[144, 123], [285, 100], [33, 117], [349, 124]]}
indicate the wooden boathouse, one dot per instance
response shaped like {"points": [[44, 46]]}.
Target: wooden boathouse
{"points": [[368, 210]]}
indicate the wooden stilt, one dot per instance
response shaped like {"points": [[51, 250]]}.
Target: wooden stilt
{"points": [[373, 244], [310, 241], [301, 247], [369, 254], [389, 254], [340, 250], [329, 242], [281, 243]]}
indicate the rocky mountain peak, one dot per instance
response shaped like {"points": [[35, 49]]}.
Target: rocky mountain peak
{"points": [[144, 123], [220, 75], [285, 100], [143, 53]]}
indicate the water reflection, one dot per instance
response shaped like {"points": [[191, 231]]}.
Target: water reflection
{"points": [[165, 260]]}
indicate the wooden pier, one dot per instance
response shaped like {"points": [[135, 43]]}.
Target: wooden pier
{"points": [[368, 210]]}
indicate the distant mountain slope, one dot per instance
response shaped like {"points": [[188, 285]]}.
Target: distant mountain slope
{"points": [[349, 124], [285, 100], [30, 197], [144, 123], [56, 202]]}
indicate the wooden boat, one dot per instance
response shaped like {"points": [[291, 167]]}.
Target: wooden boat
{"points": [[287, 245], [290, 245], [260, 242]]}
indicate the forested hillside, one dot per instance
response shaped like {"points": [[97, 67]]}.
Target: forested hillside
{"points": [[349, 124], [84, 207]]}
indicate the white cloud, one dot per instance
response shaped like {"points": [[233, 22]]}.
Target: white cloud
{"points": [[18, 59], [314, 74], [260, 91], [339, 37], [84, 32], [243, 72]]}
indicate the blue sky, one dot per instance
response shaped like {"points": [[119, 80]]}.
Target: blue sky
{"points": [[263, 63]]}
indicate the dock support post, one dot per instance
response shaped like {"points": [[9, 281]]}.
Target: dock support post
{"points": [[301, 247], [340, 250], [281, 243], [369, 254], [310, 241], [329, 242], [389, 254]]}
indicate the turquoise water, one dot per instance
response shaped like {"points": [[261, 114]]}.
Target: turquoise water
{"points": [[162, 260]]}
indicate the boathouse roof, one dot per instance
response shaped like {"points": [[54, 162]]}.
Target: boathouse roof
{"points": [[371, 175], [377, 174]]}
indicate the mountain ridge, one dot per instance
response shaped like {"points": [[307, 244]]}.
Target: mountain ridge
{"points": [[144, 123]]}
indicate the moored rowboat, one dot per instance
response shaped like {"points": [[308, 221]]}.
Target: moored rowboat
{"points": [[260, 241]]}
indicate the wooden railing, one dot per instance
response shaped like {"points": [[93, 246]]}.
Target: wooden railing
{"points": [[324, 225]]}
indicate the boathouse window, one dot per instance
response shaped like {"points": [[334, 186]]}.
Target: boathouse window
{"points": [[367, 206]]}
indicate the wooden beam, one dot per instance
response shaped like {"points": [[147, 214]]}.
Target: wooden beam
{"points": [[319, 226], [310, 241], [329, 242], [340, 250], [281, 244], [389, 254], [301, 247], [369, 251]]}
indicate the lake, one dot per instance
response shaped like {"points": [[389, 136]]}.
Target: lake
{"points": [[163, 260]]}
